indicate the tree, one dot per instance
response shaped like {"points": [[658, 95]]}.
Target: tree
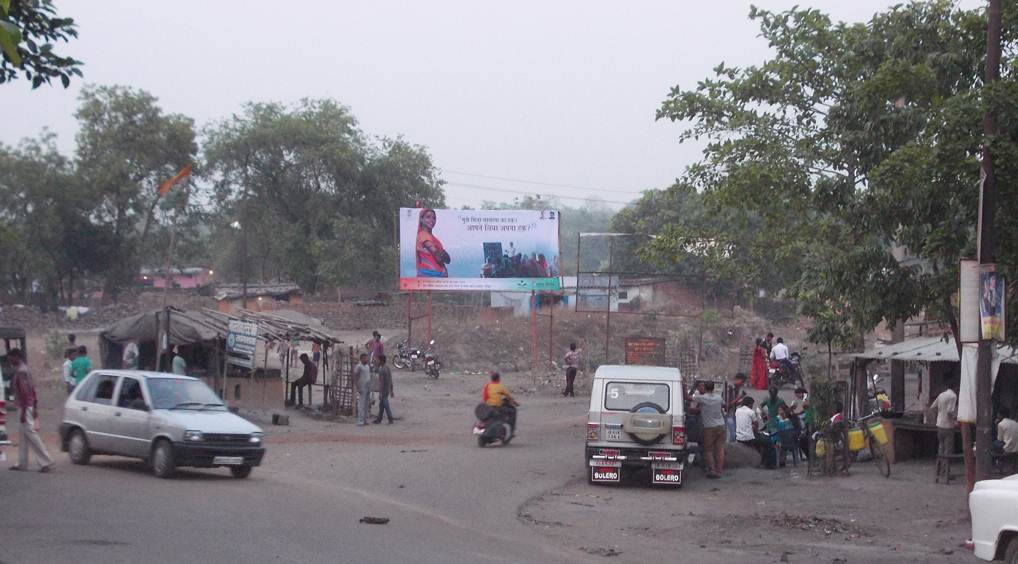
{"points": [[28, 31], [852, 140], [316, 201], [126, 147]]}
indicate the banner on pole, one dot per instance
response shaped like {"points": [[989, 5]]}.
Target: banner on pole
{"points": [[968, 301], [470, 250], [241, 344], [991, 303]]}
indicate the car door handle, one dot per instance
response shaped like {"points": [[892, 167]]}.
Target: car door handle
{"points": [[117, 413], [84, 408]]}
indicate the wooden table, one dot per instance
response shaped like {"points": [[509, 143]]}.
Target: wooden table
{"points": [[910, 439]]}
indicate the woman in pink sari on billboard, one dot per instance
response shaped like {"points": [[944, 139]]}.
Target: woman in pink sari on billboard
{"points": [[431, 255]]}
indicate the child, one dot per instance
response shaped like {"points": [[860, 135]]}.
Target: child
{"points": [[68, 368]]}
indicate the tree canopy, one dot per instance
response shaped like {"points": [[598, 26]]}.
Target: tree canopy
{"points": [[29, 29], [852, 142]]}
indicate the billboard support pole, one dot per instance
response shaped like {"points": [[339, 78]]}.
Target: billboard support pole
{"points": [[551, 334], [533, 334], [608, 313], [429, 316], [409, 318]]}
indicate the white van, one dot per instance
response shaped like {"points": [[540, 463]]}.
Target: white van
{"points": [[636, 421]]}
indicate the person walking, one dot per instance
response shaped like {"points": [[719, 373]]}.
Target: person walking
{"points": [[309, 377], [362, 375], [81, 365], [375, 348], [384, 390], [712, 417], [316, 353], [572, 366], [28, 406]]}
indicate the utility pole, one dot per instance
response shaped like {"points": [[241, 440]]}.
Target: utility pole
{"points": [[985, 245]]}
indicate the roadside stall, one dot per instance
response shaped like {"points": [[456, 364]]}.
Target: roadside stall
{"points": [[205, 339], [930, 363]]}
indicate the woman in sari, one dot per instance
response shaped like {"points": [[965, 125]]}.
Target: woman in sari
{"points": [[431, 255], [758, 375]]}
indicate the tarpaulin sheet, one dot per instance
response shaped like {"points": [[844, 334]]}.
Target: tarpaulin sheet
{"points": [[967, 390]]}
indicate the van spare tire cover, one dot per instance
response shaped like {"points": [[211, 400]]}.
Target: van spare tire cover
{"points": [[647, 436]]}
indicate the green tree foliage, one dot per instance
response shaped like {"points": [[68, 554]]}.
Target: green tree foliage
{"points": [[48, 238], [126, 147], [850, 140], [316, 200], [28, 31]]}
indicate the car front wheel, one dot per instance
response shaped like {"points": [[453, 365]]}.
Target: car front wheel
{"points": [[163, 465], [240, 472], [77, 448]]}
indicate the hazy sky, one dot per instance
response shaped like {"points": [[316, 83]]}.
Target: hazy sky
{"points": [[553, 92]]}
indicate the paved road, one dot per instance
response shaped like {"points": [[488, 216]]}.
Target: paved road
{"points": [[448, 500]]}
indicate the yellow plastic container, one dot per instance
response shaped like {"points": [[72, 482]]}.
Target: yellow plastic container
{"points": [[856, 440], [821, 447], [877, 430]]}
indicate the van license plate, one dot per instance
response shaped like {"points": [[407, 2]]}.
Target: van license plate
{"points": [[613, 434], [667, 476], [228, 460], [605, 474]]}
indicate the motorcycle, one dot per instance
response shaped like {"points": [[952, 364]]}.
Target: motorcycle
{"points": [[493, 424], [431, 364], [406, 355], [779, 374]]}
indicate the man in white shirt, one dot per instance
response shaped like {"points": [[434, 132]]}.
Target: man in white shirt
{"points": [[780, 351], [747, 425], [1007, 431], [946, 407]]}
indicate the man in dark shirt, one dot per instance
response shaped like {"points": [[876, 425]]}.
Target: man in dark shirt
{"points": [[384, 389], [27, 402], [309, 377]]}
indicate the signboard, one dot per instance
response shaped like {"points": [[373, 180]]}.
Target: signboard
{"points": [[968, 301], [991, 303], [645, 351], [241, 343], [470, 250]]}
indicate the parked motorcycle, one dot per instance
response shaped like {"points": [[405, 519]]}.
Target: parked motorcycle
{"points": [[406, 355], [493, 424], [780, 374], [431, 364]]}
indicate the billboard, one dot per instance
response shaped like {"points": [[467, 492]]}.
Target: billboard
{"points": [[503, 250], [991, 303]]}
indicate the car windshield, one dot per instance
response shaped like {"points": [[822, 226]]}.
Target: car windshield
{"points": [[625, 396], [178, 393]]}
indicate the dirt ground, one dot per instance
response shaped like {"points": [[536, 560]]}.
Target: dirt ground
{"points": [[751, 515]]}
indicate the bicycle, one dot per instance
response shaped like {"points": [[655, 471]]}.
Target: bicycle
{"points": [[831, 449]]}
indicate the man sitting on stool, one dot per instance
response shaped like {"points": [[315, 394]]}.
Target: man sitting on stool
{"points": [[307, 379]]}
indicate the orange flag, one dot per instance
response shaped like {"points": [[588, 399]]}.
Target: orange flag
{"points": [[180, 176]]}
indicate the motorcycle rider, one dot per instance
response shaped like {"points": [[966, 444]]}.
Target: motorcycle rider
{"points": [[497, 395], [780, 355]]}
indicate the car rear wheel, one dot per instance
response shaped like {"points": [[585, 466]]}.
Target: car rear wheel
{"points": [[77, 448], [506, 435], [163, 465], [240, 472]]}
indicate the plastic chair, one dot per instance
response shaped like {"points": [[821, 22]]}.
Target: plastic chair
{"points": [[790, 443]]}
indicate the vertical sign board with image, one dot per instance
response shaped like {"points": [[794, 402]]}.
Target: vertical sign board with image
{"points": [[241, 343]]}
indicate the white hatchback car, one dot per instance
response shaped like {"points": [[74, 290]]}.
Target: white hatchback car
{"points": [[636, 421], [993, 505], [165, 419]]}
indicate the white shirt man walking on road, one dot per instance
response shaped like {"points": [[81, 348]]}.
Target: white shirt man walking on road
{"points": [[362, 375]]}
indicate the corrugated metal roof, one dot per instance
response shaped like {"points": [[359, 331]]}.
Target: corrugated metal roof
{"points": [[928, 349]]}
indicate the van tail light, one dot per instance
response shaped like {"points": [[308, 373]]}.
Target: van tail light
{"points": [[679, 435], [593, 431]]}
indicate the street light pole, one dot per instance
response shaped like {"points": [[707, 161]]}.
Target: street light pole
{"points": [[985, 245]]}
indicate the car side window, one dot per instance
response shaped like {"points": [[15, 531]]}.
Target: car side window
{"points": [[86, 391], [130, 394], [104, 389]]}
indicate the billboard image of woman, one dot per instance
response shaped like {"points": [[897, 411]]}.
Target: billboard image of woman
{"points": [[431, 255]]}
